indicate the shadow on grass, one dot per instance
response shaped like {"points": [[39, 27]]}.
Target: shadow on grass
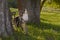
{"points": [[44, 25], [19, 36], [22, 36], [49, 26], [36, 32]]}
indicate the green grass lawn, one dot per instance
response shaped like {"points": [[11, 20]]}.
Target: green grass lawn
{"points": [[50, 24], [49, 29]]}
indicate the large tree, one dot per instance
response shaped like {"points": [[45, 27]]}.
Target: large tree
{"points": [[34, 8], [5, 19]]}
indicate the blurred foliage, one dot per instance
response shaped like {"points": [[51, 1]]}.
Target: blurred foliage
{"points": [[52, 4], [12, 3], [57, 1], [48, 3]]}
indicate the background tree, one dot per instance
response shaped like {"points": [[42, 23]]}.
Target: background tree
{"points": [[5, 19], [34, 8]]}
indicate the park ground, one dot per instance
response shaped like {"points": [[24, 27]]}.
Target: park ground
{"points": [[49, 28]]}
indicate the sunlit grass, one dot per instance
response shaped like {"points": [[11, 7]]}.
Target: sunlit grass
{"points": [[53, 18]]}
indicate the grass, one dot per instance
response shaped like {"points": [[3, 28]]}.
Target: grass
{"points": [[49, 29], [50, 22]]}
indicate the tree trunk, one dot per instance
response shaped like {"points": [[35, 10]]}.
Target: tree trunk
{"points": [[5, 19], [33, 7]]}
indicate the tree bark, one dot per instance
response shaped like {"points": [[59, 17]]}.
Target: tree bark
{"points": [[33, 7], [5, 19]]}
